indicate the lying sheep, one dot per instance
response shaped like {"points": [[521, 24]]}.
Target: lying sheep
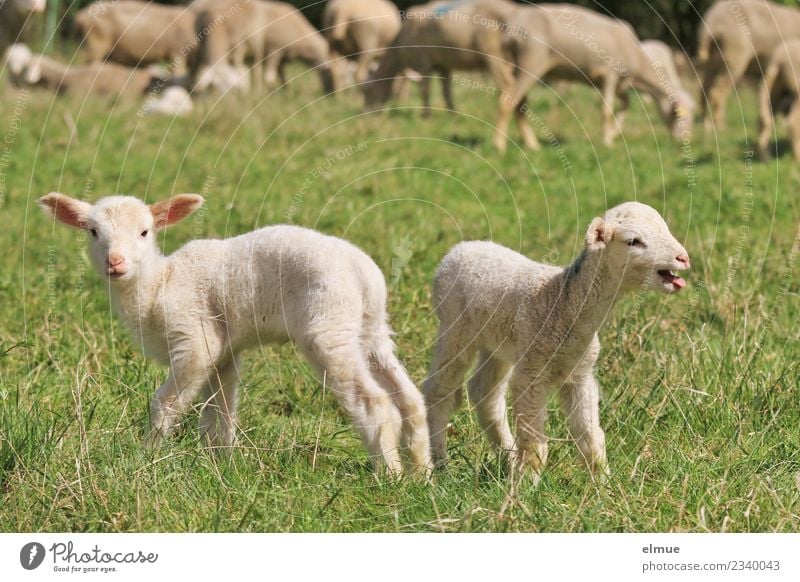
{"points": [[534, 328], [780, 94], [441, 37], [732, 34], [563, 41], [200, 307], [136, 33], [271, 33], [32, 70], [360, 30]]}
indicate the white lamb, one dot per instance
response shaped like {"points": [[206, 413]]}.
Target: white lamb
{"points": [[534, 327], [198, 308]]}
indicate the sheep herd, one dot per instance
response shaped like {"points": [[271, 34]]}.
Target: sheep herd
{"points": [[526, 327]]}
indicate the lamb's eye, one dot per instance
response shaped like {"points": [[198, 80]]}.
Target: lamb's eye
{"points": [[144, 233], [635, 242], [94, 232]]}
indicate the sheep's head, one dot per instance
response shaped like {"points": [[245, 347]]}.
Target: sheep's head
{"points": [[636, 243], [679, 113], [121, 229]]}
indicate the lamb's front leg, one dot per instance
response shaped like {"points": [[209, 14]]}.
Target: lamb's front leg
{"points": [[218, 417], [188, 373], [581, 403], [529, 400]]}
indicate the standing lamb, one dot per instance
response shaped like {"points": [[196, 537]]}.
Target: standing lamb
{"points": [[534, 327], [780, 93], [200, 307], [360, 30], [563, 41], [733, 33], [134, 33]]}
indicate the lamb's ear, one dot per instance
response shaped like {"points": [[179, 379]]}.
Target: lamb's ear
{"points": [[72, 212], [175, 209], [599, 234]]}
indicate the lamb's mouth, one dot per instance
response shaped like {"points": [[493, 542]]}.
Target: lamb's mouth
{"points": [[672, 280]]}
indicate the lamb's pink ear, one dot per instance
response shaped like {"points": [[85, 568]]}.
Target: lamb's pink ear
{"points": [[599, 234], [175, 209], [72, 212]]}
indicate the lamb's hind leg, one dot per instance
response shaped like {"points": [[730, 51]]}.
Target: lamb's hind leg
{"points": [[442, 389], [581, 402], [391, 374], [342, 364], [218, 416], [487, 392]]}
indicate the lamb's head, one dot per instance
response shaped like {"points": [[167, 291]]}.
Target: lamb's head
{"points": [[636, 243], [121, 228], [678, 112]]}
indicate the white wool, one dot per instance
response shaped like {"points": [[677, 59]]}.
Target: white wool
{"points": [[534, 328], [174, 101], [200, 307]]}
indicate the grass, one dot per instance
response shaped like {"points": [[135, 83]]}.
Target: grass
{"points": [[700, 399]]}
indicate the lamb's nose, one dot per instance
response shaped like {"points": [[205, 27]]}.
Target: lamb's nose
{"points": [[684, 259], [115, 260]]}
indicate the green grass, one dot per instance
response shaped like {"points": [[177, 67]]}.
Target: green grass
{"points": [[700, 404]]}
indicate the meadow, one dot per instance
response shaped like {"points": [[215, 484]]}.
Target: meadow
{"points": [[700, 402]]}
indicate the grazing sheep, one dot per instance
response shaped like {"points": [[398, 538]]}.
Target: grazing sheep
{"points": [[733, 33], [563, 41], [360, 30], [780, 93], [272, 33], [439, 38], [534, 328], [200, 307], [31, 70], [14, 16], [136, 33]]}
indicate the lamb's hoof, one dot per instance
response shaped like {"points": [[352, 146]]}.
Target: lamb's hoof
{"points": [[152, 439]]}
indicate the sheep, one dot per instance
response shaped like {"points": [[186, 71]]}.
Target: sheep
{"points": [[136, 33], [780, 93], [360, 30], [534, 327], [563, 41], [665, 61], [732, 34], [200, 307], [15, 16], [442, 37], [32, 70], [272, 33]]}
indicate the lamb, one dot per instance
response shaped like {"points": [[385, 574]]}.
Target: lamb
{"points": [[534, 327], [32, 70], [272, 33], [360, 30], [135, 33], [780, 93], [732, 34], [441, 37], [563, 41], [200, 307]]}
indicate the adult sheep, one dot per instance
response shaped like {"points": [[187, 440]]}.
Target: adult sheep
{"points": [[200, 307], [134, 33], [732, 34], [270, 33], [14, 16], [360, 30], [533, 328]]}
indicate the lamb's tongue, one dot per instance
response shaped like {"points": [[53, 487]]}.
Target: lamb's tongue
{"points": [[674, 279]]}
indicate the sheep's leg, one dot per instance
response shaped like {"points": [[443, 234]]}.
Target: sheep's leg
{"points": [[529, 401], [447, 90], [512, 101], [425, 90], [724, 83], [272, 70], [765, 123], [363, 62], [218, 417], [187, 377], [712, 69], [528, 137], [345, 369], [621, 113], [581, 404], [392, 376], [442, 389], [487, 392], [610, 128], [793, 120]]}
